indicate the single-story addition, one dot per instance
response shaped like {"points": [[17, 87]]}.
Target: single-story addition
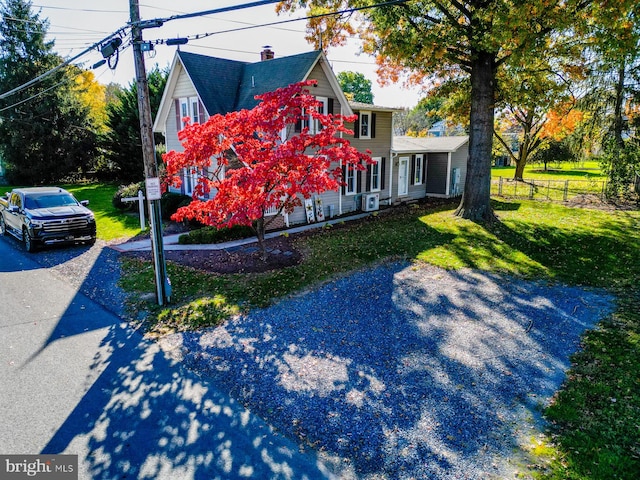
{"points": [[428, 167]]}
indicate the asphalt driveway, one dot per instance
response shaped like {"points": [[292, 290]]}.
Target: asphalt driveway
{"points": [[78, 380]]}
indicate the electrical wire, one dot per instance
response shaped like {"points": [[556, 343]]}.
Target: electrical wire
{"points": [[120, 32], [281, 22], [158, 22]]}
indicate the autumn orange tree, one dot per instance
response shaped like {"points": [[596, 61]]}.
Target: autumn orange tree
{"points": [[435, 40], [535, 105], [249, 163]]}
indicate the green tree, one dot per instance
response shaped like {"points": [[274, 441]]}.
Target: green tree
{"points": [[123, 143], [46, 131], [444, 39], [424, 115], [356, 86], [615, 49]]}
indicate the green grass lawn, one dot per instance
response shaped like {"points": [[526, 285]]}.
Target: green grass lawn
{"points": [[596, 416], [112, 224], [559, 183], [561, 171]]}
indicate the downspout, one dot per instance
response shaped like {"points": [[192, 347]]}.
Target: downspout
{"points": [[392, 157]]}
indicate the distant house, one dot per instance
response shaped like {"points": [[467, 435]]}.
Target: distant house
{"points": [[200, 86], [429, 166]]}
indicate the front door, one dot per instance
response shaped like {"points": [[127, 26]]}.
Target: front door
{"points": [[403, 176]]}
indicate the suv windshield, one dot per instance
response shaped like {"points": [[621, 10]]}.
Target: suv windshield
{"points": [[50, 201]]}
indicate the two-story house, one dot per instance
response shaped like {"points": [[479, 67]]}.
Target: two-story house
{"points": [[200, 86]]}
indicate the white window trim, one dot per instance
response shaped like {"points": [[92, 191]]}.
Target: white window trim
{"points": [[368, 135], [418, 166], [187, 106], [190, 180], [314, 125], [350, 171], [378, 163]]}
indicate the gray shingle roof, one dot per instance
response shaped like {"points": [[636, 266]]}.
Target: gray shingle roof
{"points": [[406, 144], [228, 85]]}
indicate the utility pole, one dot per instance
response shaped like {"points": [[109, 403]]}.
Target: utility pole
{"points": [[163, 287]]}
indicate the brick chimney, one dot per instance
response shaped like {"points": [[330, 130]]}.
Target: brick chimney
{"points": [[267, 53]]}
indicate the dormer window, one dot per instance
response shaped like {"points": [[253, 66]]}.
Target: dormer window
{"points": [[189, 107], [365, 125]]}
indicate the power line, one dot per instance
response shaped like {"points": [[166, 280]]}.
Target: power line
{"points": [[159, 21], [62, 65], [282, 22]]}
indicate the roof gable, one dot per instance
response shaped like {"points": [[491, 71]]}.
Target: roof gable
{"points": [[228, 85], [269, 75], [215, 79]]}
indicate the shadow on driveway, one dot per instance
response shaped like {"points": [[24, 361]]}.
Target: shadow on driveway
{"points": [[404, 371], [85, 383]]}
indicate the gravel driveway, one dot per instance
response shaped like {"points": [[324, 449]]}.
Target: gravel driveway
{"points": [[404, 371], [396, 372]]}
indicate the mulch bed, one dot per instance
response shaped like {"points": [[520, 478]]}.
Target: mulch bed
{"points": [[245, 259]]}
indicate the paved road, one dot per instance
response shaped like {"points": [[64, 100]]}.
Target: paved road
{"points": [[77, 380]]}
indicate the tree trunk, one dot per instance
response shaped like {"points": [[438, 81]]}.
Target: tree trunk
{"points": [[520, 164], [525, 149], [475, 204], [618, 125], [259, 229]]}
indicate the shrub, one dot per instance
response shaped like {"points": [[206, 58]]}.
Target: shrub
{"points": [[214, 235], [125, 191], [170, 202]]}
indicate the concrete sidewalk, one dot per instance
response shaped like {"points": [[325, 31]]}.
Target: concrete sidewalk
{"points": [[171, 241]]}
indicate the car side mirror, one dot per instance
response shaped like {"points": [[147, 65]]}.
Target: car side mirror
{"points": [[84, 203], [14, 209]]}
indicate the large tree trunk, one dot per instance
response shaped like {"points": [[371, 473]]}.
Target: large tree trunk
{"points": [[475, 204]]}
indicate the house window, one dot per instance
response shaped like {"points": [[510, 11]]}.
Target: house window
{"points": [[189, 180], [308, 121], [314, 125], [417, 169], [189, 107], [365, 125], [374, 178], [350, 180]]}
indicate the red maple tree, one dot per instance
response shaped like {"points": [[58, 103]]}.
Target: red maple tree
{"points": [[251, 164]]}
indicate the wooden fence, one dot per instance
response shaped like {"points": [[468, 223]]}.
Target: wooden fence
{"points": [[551, 190]]}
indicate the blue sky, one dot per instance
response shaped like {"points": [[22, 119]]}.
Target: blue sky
{"points": [[77, 24]]}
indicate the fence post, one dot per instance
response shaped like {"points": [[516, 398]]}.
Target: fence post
{"points": [[500, 186], [566, 190], [141, 208], [548, 189], [531, 189]]}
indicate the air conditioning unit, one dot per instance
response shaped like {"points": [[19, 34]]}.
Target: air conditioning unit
{"points": [[371, 202]]}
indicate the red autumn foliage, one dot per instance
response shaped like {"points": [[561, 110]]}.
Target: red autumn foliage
{"points": [[272, 170]]}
